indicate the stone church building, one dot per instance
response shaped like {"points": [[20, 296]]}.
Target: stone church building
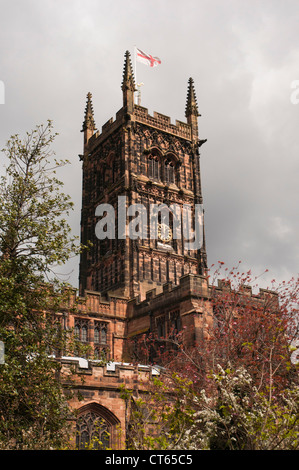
{"points": [[129, 286]]}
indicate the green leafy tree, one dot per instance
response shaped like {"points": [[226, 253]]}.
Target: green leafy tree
{"points": [[159, 413], [34, 238]]}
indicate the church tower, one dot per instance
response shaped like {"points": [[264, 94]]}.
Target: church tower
{"points": [[141, 162]]}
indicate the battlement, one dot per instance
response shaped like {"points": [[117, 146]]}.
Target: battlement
{"points": [[190, 286], [244, 290], [194, 285], [162, 122], [99, 369], [141, 115], [110, 126], [95, 304]]}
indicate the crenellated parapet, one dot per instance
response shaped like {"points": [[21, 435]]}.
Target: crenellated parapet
{"points": [[194, 299], [108, 374], [95, 304], [198, 286], [162, 123], [244, 291]]}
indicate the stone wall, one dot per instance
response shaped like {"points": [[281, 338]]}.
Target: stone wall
{"points": [[98, 388]]}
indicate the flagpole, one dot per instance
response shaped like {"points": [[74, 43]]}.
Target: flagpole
{"points": [[135, 69]]}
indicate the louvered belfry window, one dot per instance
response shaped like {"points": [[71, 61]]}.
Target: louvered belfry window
{"points": [[153, 167], [169, 174]]}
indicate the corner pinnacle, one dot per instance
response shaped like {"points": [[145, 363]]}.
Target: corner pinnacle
{"points": [[88, 117], [191, 105], [128, 76]]}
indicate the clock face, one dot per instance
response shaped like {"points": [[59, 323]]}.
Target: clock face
{"points": [[164, 233]]}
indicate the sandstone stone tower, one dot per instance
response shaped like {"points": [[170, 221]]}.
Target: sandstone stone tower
{"points": [[150, 161], [142, 287]]}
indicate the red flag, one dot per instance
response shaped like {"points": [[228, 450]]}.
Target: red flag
{"points": [[147, 59]]}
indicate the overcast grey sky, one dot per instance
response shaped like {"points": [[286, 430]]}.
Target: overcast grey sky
{"points": [[243, 56]]}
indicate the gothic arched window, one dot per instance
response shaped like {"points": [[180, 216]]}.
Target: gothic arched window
{"points": [[154, 170], [169, 171], [103, 336], [92, 431], [77, 331], [100, 333], [81, 330], [96, 335], [153, 167], [84, 333], [96, 428], [101, 354]]}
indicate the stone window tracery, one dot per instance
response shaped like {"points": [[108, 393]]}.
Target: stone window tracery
{"points": [[175, 324], [92, 431], [161, 326], [154, 167], [169, 171], [81, 329], [101, 353], [100, 333], [97, 428]]}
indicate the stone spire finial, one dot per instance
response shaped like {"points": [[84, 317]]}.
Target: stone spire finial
{"points": [[128, 85], [88, 117], [191, 105], [128, 82]]}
